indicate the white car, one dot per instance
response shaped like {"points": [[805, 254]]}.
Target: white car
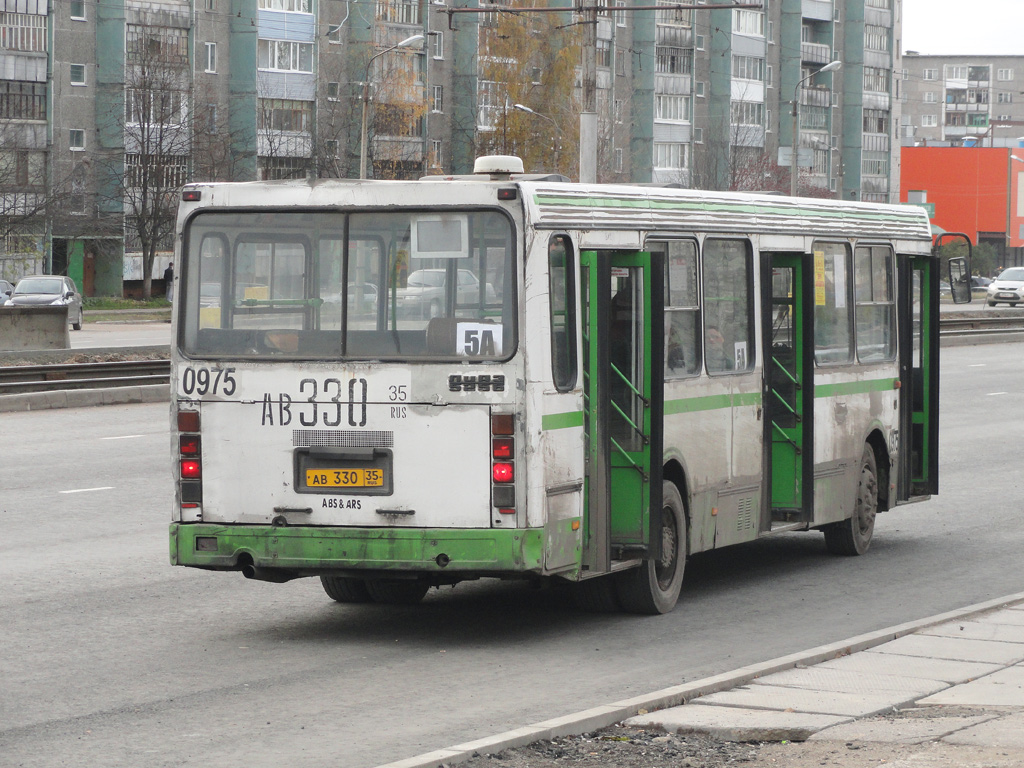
{"points": [[1008, 288], [426, 292]]}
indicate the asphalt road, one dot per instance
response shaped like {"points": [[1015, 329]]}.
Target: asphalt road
{"points": [[111, 657]]}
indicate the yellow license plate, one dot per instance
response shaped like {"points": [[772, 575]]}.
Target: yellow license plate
{"points": [[344, 478]]}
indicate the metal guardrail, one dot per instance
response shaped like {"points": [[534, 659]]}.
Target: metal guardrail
{"points": [[19, 379]]}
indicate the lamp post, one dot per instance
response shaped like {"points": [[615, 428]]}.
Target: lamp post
{"points": [[794, 169], [366, 97], [558, 131]]}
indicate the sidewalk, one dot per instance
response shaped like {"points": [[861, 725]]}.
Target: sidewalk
{"points": [[961, 674]]}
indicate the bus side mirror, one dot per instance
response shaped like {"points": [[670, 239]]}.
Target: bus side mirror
{"points": [[959, 280]]}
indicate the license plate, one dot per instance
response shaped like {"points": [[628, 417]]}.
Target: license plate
{"points": [[1007, 295], [344, 478]]}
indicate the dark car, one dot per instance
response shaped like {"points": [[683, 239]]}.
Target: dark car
{"points": [[50, 290]]}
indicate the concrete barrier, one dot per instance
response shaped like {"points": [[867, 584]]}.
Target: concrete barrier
{"points": [[24, 328]]}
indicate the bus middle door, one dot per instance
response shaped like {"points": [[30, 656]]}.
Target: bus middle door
{"points": [[622, 307], [789, 388]]}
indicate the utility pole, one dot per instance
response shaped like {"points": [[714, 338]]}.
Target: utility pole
{"points": [[588, 117]]}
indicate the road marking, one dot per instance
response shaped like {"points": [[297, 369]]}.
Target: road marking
{"points": [[993, 394], [977, 365], [121, 437], [87, 490]]}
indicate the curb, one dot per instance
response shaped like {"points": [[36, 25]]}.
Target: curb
{"points": [[79, 398], [610, 714]]}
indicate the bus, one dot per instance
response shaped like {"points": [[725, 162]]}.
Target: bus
{"points": [[397, 385]]}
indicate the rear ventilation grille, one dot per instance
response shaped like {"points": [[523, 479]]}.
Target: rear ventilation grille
{"points": [[745, 515], [343, 438]]}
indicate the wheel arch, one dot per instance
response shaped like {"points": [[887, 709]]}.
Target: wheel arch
{"points": [[674, 473], [883, 466]]}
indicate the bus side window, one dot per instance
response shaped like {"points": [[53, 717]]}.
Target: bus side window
{"points": [[562, 293], [832, 306], [876, 303], [682, 310], [728, 310]]}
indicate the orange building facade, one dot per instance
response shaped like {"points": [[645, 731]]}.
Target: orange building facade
{"points": [[975, 190]]}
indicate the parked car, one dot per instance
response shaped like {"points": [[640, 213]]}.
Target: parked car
{"points": [[1008, 288], [979, 285], [425, 291], [50, 290], [6, 289]]}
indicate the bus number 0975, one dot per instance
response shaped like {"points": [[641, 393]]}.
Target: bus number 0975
{"points": [[208, 381]]}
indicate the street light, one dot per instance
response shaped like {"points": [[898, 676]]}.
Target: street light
{"points": [[558, 131], [366, 97], [794, 169]]}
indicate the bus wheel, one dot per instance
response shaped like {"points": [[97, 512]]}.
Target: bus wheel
{"points": [[597, 595], [345, 589], [853, 536], [397, 591], [653, 588]]}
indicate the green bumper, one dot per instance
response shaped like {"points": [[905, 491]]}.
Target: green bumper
{"points": [[309, 549]]}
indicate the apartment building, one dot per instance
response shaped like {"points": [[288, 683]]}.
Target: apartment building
{"points": [[962, 100], [107, 102]]}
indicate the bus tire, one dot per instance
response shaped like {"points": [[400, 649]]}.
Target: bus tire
{"points": [[397, 591], [596, 595], [853, 536], [654, 587], [345, 589]]}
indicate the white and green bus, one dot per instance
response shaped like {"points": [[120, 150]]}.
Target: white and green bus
{"points": [[394, 385]]}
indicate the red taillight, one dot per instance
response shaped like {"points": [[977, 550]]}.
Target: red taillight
{"points": [[189, 445], [503, 472], [501, 447], [191, 469], [188, 421]]}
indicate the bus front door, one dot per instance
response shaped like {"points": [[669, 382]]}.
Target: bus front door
{"points": [[788, 389], [622, 306]]}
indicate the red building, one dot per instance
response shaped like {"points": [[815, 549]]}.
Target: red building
{"points": [[975, 190]]}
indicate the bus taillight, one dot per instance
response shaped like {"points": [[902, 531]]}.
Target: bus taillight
{"points": [[189, 445], [191, 469], [503, 453], [190, 457], [188, 421], [504, 472], [501, 447]]}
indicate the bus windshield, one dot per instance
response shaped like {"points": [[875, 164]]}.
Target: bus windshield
{"points": [[323, 284]]}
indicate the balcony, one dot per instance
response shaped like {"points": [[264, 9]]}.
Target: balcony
{"points": [[816, 96], [815, 53]]}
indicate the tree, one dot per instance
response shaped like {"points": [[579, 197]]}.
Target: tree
{"points": [[530, 59]]}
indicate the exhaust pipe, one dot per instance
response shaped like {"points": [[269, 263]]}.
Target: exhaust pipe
{"points": [[274, 575]]}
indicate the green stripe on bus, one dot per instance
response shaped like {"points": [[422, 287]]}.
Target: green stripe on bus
{"points": [[711, 402], [561, 420], [707, 207], [855, 387]]}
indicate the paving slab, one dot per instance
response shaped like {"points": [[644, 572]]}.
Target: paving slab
{"points": [[737, 723], [1006, 732], [899, 731], [1006, 616], [946, 670], [956, 648], [979, 630], [820, 678], [800, 700], [1004, 688]]}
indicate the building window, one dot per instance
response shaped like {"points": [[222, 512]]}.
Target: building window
{"points": [[747, 113], [698, 135], [618, 159], [22, 101], [748, 23], [879, 4], [876, 80], [671, 60], [22, 168], [930, 74], [698, 88], [438, 38], [956, 73], [676, 17], [23, 32], [332, 91], [274, 168], [78, 10], [604, 53], [876, 121], [151, 44], [76, 139], [77, 74], [671, 156], [297, 6], [876, 164], [399, 11], [153, 107], [155, 171], [287, 115], [699, 42], [331, 145], [211, 58], [673, 108], [1004, 97], [876, 38], [620, 15], [1004, 74], [435, 154], [931, 97], [437, 102], [285, 56], [748, 68]]}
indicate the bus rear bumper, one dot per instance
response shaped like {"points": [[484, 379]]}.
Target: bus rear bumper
{"points": [[308, 551]]}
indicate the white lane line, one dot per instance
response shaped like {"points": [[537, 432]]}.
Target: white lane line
{"points": [[121, 437], [87, 490], [993, 394], [977, 365]]}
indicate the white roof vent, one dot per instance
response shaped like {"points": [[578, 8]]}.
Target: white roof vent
{"points": [[498, 165]]}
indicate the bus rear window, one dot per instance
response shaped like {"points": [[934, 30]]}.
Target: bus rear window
{"points": [[323, 284]]}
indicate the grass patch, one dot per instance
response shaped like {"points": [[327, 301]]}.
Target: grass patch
{"points": [[106, 302]]}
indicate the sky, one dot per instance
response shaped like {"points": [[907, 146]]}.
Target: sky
{"points": [[950, 27]]}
